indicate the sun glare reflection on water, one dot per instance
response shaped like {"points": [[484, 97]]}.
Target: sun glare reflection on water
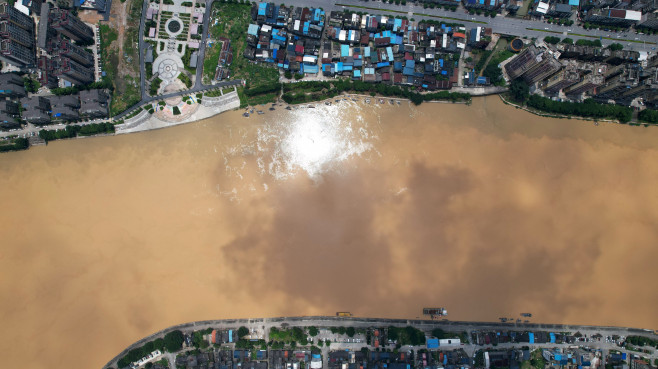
{"points": [[313, 140]]}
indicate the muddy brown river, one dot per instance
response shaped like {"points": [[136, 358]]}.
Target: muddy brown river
{"points": [[380, 210]]}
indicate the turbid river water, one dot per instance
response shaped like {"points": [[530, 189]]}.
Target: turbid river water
{"points": [[375, 209]]}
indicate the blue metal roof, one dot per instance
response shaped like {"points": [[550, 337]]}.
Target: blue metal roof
{"points": [[253, 29], [389, 51], [344, 50]]}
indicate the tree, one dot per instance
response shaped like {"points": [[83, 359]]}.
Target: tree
{"points": [[173, 341], [648, 115], [568, 41], [30, 84], [350, 331], [327, 343], [439, 333], [298, 334], [242, 331], [393, 333], [313, 331], [551, 39], [493, 72], [519, 90], [616, 47], [288, 74]]}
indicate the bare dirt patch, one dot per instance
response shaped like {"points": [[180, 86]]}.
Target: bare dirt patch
{"points": [[90, 16], [124, 54]]}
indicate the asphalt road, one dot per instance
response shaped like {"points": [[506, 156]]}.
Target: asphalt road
{"points": [[499, 24], [202, 45]]}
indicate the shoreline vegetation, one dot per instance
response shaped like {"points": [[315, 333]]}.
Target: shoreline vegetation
{"points": [[72, 131], [589, 109]]}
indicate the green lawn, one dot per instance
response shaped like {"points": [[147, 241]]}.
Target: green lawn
{"points": [[210, 62]]}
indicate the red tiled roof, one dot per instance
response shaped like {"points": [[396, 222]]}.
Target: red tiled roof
{"points": [[617, 13]]}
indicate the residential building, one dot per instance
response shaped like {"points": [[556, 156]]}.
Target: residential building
{"points": [[46, 75], [559, 11], [72, 71], [562, 80], [95, 4], [547, 66], [9, 114], [33, 5], [616, 86], [17, 37], [11, 85], [644, 6], [14, 16], [622, 56], [70, 26], [10, 31], [645, 89], [16, 54], [482, 4], [651, 21], [523, 62], [588, 83], [44, 32], [94, 103], [639, 364], [36, 110], [64, 47], [614, 17], [65, 107]]}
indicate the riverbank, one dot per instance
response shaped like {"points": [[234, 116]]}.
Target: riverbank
{"points": [[209, 107], [363, 322], [539, 113]]}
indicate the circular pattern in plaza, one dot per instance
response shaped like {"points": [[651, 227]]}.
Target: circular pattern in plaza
{"points": [[168, 69], [168, 65], [174, 26]]}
